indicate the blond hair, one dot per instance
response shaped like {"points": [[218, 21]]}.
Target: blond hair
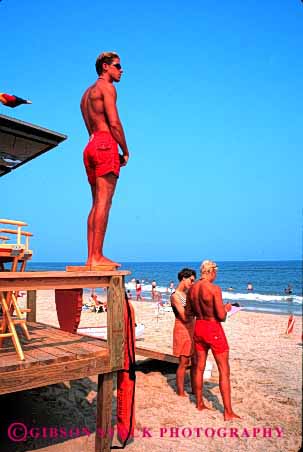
{"points": [[207, 266], [105, 57]]}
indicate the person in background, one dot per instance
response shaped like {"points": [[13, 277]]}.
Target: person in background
{"points": [[171, 288], [250, 286], [138, 290], [183, 329], [153, 288], [204, 301], [129, 295], [288, 290], [158, 298]]}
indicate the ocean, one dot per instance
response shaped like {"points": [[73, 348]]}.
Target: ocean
{"points": [[269, 279]]}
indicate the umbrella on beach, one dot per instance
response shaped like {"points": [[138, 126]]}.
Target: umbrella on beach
{"points": [[12, 100]]}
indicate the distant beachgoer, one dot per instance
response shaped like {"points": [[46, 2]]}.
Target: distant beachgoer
{"points": [[158, 298], [250, 286], [288, 290], [171, 288], [101, 156], [183, 328], [230, 289], [99, 306], [138, 290], [204, 301], [129, 295], [153, 288]]}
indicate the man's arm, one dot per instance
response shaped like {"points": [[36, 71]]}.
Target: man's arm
{"points": [[218, 304], [110, 97]]}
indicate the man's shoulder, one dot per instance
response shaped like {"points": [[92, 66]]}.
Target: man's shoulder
{"points": [[196, 284], [92, 92], [107, 87], [194, 289], [216, 289]]}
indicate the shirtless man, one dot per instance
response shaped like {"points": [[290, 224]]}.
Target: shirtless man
{"points": [[101, 157], [204, 301]]}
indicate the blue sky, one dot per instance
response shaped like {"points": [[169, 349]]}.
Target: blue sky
{"points": [[211, 103]]}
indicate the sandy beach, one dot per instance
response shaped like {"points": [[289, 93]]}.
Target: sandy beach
{"points": [[266, 381]]}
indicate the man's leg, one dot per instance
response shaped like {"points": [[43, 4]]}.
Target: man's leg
{"points": [[201, 356], [180, 374], [90, 223], [193, 373], [222, 360], [105, 188]]}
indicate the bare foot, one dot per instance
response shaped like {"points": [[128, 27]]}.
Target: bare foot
{"points": [[104, 261], [181, 394], [200, 406], [230, 416]]}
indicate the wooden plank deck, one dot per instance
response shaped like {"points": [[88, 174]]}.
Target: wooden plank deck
{"points": [[51, 356], [57, 279], [145, 352], [155, 354]]}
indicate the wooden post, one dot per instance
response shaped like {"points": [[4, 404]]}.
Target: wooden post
{"points": [[104, 432], [115, 321], [31, 304]]}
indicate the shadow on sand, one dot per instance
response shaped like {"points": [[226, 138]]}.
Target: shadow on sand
{"points": [[169, 371], [39, 414]]}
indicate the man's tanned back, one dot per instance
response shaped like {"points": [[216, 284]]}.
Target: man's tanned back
{"points": [[206, 301], [92, 108]]}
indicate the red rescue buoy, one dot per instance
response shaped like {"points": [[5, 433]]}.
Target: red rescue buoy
{"points": [[126, 380], [290, 324], [69, 308]]}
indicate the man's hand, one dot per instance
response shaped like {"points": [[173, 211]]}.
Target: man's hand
{"points": [[123, 159], [227, 307]]}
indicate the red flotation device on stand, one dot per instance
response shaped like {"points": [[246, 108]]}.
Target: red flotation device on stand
{"points": [[126, 380], [290, 324], [69, 308]]}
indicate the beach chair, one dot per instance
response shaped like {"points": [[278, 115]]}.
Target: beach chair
{"points": [[13, 254]]}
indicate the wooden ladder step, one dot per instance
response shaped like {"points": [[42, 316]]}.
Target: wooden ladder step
{"points": [[6, 334]]}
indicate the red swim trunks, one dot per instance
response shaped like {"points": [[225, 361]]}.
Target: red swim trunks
{"points": [[101, 156], [210, 335]]}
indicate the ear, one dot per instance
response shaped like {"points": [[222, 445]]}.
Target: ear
{"points": [[105, 66]]}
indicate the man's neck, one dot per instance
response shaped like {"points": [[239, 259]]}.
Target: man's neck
{"points": [[205, 278], [106, 78]]}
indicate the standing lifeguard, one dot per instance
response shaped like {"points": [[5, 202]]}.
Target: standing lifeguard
{"points": [[101, 157], [204, 301]]}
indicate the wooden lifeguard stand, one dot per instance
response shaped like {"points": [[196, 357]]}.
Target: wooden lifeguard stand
{"points": [[57, 355], [53, 355]]}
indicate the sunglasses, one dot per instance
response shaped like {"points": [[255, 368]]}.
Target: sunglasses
{"points": [[117, 65]]}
